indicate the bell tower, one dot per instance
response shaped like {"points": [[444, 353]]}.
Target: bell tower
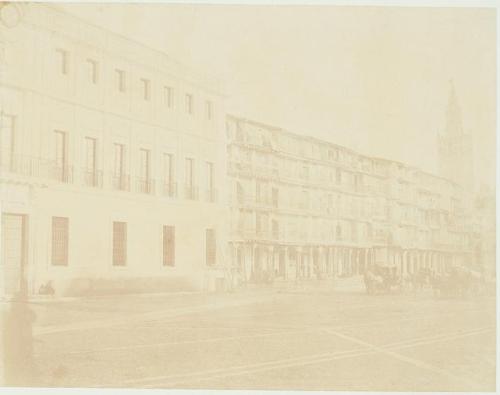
{"points": [[456, 160]]}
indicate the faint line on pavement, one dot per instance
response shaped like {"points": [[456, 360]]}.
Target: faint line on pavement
{"points": [[401, 357], [140, 317], [300, 361], [163, 344]]}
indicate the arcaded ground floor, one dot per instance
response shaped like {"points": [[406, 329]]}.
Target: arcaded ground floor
{"points": [[317, 336], [257, 262]]}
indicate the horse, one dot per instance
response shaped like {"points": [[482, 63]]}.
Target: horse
{"points": [[373, 282]]}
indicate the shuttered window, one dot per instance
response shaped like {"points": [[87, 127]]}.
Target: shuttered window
{"points": [[119, 243], [210, 246], [60, 241], [168, 246]]}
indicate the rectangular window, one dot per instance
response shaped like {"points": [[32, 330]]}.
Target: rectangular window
{"points": [[60, 236], [338, 176], [7, 141], [90, 154], [93, 70], [145, 159], [60, 149], [168, 246], [120, 80], [119, 243], [209, 110], [91, 161], [275, 228], [168, 174], [144, 171], [119, 160], [210, 182], [120, 180], [168, 96], [189, 103], [189, 172], [275, 196], [61, 156], [146, 89], [190, 188], [210, 247], [63, 58]]}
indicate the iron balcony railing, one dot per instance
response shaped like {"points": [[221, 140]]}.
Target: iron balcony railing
{"points": [[92, 178], [61, 173], [191, 192], [211, 195], [145, 185], [121, 182], [170, 189], [36, 167]]}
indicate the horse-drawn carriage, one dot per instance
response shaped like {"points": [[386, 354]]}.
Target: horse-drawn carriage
{"points": [[458, 281], [381, 279]]}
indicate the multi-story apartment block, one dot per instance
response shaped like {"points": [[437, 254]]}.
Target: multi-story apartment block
{"points": [[302, 207], [486, 228], [112, 161]]}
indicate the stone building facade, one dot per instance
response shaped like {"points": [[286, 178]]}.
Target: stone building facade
{"points": [[119, 169], [112, 162], [302, 207]]}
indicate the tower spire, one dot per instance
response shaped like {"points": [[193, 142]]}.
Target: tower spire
{"points": [[456, 160], [453, 113]]}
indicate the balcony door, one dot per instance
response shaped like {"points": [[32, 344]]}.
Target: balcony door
{"points": [[91, 161], [61, 156], [119, 177]]}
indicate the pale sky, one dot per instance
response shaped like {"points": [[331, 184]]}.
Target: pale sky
{"points": [[374, 79]]}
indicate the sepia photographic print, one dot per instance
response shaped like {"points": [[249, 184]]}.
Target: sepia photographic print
{"points": [[273, 196]]}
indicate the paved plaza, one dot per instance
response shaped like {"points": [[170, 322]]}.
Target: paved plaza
{"points": [[314, 337]]}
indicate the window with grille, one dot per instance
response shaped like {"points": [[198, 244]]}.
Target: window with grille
{"points": [[119, 243], [210, 247], [60, 238], [168, 245]]}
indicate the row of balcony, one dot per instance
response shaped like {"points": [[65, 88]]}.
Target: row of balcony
{"points": [[265, 172], [65, 174], [273, 174], [298, 154], [381, 239]]}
